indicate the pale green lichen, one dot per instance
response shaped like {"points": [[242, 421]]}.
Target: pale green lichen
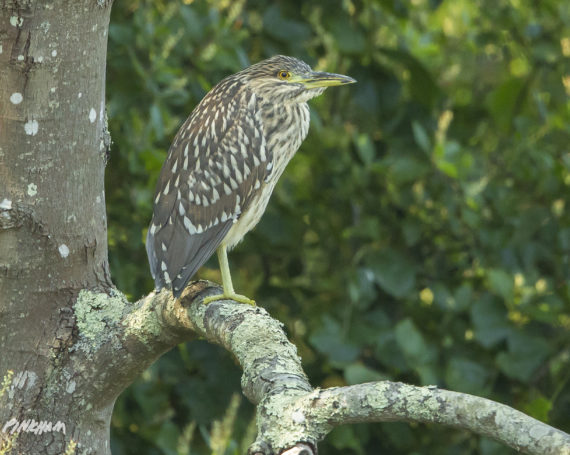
{"points": [[143, 323], [7, 443], [70, 448], [6, 382], [98, 314]]}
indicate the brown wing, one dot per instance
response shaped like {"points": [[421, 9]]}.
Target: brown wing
{"points": [[208, 179]]}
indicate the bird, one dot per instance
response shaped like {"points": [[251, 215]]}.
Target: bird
{"points": [[223, 165]]}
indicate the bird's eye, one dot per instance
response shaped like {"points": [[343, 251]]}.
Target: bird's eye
{"points": [[283, 75]]}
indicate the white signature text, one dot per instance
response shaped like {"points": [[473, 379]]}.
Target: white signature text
{"points": [[33, 426]]}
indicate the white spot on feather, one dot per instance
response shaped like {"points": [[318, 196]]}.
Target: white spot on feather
{"points": [[239, 177], [92, 115], [188, 224], [6, 204]]}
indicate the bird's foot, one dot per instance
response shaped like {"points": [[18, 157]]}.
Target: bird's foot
{"points": [[233, 296]]}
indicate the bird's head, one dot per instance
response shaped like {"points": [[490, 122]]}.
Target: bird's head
{"points": [[288, 80]]}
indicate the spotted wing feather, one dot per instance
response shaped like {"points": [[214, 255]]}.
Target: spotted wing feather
{"points": [[211, 174]]}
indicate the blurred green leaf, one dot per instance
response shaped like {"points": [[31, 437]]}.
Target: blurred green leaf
{"points": [[501, 282], [464, 375], [414, 346], [422, 85], [349, 39], [539, 408], [502, 101], [365, 148], [421, 137], [525, 354], [329, 341], [344, 437], [490, 322], [392, 271], [167, 438], [283, 28], [358, 373]]}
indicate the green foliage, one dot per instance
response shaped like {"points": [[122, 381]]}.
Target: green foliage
{"points": [[422, 233]]}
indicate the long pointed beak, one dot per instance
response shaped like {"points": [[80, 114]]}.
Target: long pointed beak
{"points": [[320, 79]]}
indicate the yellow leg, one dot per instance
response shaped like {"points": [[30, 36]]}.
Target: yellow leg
{"points": [[227, 284]]}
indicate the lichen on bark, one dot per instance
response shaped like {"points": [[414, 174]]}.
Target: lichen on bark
{"points": [[98, 315]]}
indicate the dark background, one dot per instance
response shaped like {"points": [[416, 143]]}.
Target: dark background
{"points": [[421, 234]]}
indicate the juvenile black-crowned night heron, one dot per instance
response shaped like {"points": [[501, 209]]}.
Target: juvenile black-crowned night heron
{"points": [[223, 165]]}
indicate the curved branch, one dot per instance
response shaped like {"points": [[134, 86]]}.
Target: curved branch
{"points": [[292, 417], [321, 410]]}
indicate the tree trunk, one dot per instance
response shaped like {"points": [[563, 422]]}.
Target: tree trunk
{"points": [[53, 233]]}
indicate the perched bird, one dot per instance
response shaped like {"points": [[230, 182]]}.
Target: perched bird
{"points": [[223, 165]]}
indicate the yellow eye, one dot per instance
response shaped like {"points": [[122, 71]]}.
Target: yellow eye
{"points": [[283, 75]]}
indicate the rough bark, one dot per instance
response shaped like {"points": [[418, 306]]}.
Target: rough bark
{"points": [[53, 239], [71, 343]]}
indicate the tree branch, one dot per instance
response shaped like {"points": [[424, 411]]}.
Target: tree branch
{"points": [[292, 417], [321, 410]]}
